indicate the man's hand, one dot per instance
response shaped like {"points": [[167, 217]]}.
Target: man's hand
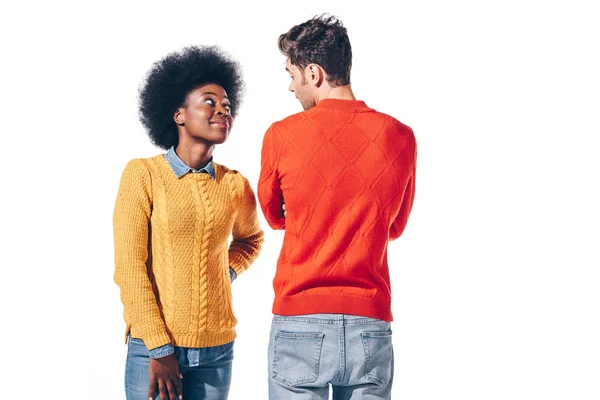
{"points": [[164, 372], [284, 210]]}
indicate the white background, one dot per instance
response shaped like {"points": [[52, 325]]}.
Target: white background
{"points": [[496, 279]]}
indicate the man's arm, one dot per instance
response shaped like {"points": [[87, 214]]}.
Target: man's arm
{"points": [[270, 195], [409, 160], [402, 218]]}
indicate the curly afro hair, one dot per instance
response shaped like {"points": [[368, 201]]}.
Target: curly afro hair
{"points": [[171, 79]]}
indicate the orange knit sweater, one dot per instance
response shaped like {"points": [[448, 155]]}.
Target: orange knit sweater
{"points": [[172, 251], [347, 176]]}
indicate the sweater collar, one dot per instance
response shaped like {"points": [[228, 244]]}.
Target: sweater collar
{"points": [[351, 106]]}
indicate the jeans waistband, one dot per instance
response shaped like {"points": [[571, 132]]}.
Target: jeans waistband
{"points": [[329, 319]]}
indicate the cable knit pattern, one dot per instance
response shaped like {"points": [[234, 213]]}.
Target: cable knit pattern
{"points": [[347, 176], [172, 253], [209, 219], [232, 187], [198, 237]]}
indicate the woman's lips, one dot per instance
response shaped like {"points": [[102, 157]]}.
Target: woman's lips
{"points": [[220, 124]]}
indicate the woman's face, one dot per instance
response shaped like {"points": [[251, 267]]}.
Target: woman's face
{"points": [[206, 115]]}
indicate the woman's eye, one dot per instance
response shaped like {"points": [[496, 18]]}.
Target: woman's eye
{"points": [[210, 101]]}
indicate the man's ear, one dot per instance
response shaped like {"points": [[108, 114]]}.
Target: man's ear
{"points": [[315, 74], [179, 117]]}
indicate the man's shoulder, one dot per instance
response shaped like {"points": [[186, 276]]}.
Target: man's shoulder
{"points": [[392, 122], [393, 125], [291, 121], [312, 118]]}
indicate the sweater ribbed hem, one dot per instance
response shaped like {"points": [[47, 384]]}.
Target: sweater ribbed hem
{"points": [[204, 340], [193, 341], [302, 304]]}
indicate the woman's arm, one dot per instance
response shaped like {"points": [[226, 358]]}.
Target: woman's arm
{"points": [[131, 221], [247, 234]]}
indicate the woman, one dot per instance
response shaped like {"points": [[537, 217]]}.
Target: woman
{"points": [[173, 218]]}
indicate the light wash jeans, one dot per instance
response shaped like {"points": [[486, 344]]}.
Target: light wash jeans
{"points": [[307, 353], [206, 371]]}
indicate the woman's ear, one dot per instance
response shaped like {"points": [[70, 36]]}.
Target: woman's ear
{"points": [[179, 117]]}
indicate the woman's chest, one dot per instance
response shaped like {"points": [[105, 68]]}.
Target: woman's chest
{"points": [[194, 206]]}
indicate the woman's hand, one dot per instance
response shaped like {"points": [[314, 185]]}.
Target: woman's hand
{"points": [[164, 372]]}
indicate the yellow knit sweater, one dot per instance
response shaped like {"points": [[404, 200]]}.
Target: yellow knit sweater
{"points": [[172, 251]]}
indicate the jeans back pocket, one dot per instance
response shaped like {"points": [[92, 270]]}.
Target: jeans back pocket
{"points": [[296, 357], [379, 356]]}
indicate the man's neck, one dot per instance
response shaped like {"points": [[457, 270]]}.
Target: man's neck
{"points": [[338, 92]]}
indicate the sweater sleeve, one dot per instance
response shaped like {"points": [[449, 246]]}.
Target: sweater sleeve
{"points": [[270, 194], [131, 221], [408, 196], [247, 234]]}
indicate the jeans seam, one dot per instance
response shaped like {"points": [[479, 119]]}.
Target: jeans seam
{"points": [[343, 353]]}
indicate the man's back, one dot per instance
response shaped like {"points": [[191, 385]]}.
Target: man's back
{"points": [[346, 175]]}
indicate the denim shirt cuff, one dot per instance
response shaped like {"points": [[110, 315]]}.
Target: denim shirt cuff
{"points": [[232, 274], [162, 351]]}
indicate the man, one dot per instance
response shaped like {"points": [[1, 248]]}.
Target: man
{"points": [[339, 178]]}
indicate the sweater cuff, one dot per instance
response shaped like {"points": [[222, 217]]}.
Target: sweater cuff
{"points": [[237, 263], [155, 340]]}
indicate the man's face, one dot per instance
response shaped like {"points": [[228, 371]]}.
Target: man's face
{"points": [[300, 86]]}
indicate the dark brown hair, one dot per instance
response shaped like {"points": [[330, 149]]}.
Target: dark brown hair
{"points": [[322, 40]]}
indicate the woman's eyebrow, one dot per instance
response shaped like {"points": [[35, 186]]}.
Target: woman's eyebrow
{"points": [[213, 93]]}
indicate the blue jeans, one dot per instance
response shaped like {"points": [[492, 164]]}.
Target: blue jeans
{"points": [[353, 354], [206, 372]]}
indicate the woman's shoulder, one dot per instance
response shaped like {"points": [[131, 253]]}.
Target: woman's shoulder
{"points": [[236, 180], [145, 163], [225, 170]]}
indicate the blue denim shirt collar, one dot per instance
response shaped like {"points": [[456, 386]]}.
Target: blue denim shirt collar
{"points": [[180, 168]]}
